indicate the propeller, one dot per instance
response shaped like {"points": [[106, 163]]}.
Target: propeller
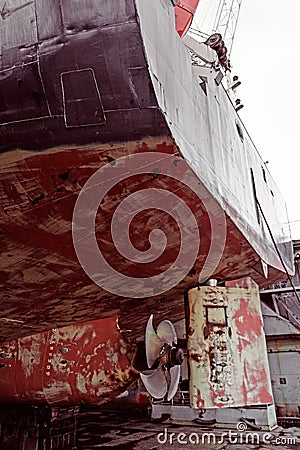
{"points": [[163, 358]]}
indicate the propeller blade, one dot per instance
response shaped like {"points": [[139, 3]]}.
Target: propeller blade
{"points": [[166, 332], [152, 342], [175, 376], [155, 383]]}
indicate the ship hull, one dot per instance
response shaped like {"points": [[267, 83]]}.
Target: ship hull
{"points": [[80, 364], [44, 284], [131, 92]]}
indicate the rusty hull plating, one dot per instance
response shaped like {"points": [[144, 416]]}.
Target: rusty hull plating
{"points": [[79, 88], [87, 363], [226, 343]]}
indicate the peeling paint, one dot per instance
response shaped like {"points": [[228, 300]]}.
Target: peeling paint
{"points": [[228, 356], [91, 363], [30, 356], [46, 255]]}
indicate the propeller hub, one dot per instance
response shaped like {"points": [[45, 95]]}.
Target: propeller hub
{"points": [[176, 356], [163, 358]]}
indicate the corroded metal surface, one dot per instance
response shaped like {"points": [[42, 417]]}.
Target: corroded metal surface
{"points": [[38, 260], [85, 363], [64, 113], [227, 349]]}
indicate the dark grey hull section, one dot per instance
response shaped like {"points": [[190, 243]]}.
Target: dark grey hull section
{"points": [[74, 77]]}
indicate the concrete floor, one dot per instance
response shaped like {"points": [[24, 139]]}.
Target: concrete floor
{"points": [[128, 430]]}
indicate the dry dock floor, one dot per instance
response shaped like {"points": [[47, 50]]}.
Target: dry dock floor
{"points": [[126, 430]]}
